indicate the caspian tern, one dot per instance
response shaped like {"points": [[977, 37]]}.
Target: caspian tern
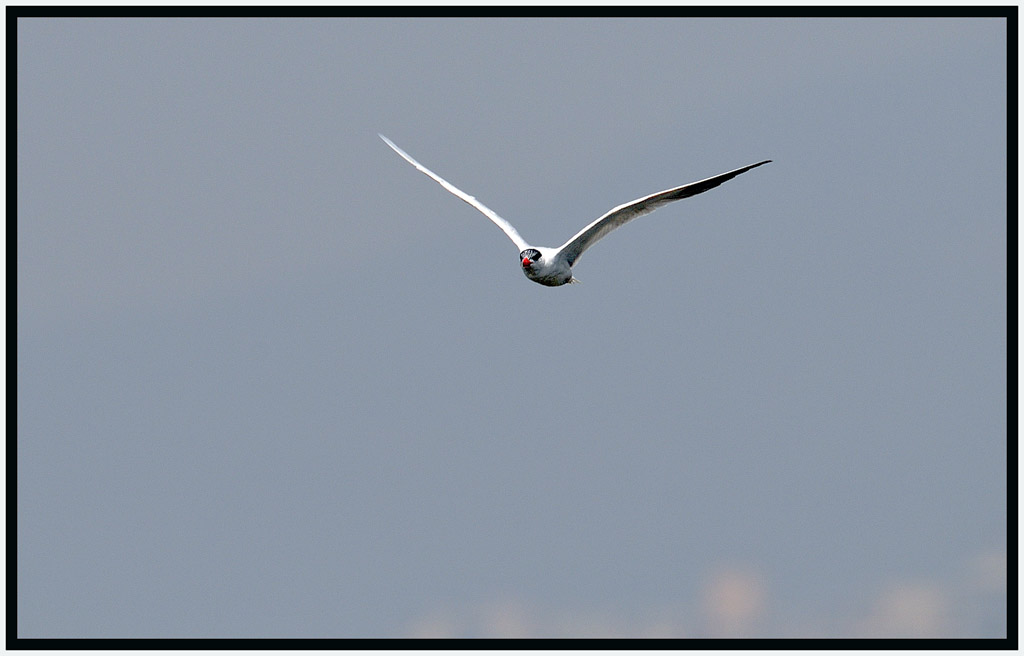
{"points": [[553, 266]]}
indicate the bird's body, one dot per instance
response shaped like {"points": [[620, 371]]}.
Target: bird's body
{"points": [[544, 266], [553, 266]]}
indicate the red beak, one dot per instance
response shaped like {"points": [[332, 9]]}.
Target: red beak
{"points": [[526, 261]]}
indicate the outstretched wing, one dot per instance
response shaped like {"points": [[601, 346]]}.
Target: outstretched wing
{"points": [[489, 213], [584, 239]]}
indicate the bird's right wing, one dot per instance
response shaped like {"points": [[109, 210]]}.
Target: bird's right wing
{"points": [[505, 226], [584, 239]]}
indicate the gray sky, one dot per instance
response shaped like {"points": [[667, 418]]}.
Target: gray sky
{"points": [[272, 381]]}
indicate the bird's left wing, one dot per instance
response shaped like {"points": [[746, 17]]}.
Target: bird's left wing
{"points": [[505, 226], [622, 214]]}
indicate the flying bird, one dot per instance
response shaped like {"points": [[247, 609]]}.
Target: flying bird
{"points": [[553, 266]]}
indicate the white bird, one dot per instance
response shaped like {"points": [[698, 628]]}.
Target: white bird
{"points": [[553, 266]]}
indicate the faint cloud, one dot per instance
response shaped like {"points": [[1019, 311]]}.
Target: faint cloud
{"points": [[981, 602], [987, 572], [666, 627], [504, 618], [909, 610], [437, 624], [734, 602], [507, 619]]}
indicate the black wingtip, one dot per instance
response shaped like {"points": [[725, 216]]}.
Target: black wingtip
{"points": [[750, 166]]}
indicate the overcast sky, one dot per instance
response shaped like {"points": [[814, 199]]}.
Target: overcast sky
{"points": [[273, 381]]}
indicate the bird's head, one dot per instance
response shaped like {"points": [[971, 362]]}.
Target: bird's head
{"points": [[529, 257]]}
